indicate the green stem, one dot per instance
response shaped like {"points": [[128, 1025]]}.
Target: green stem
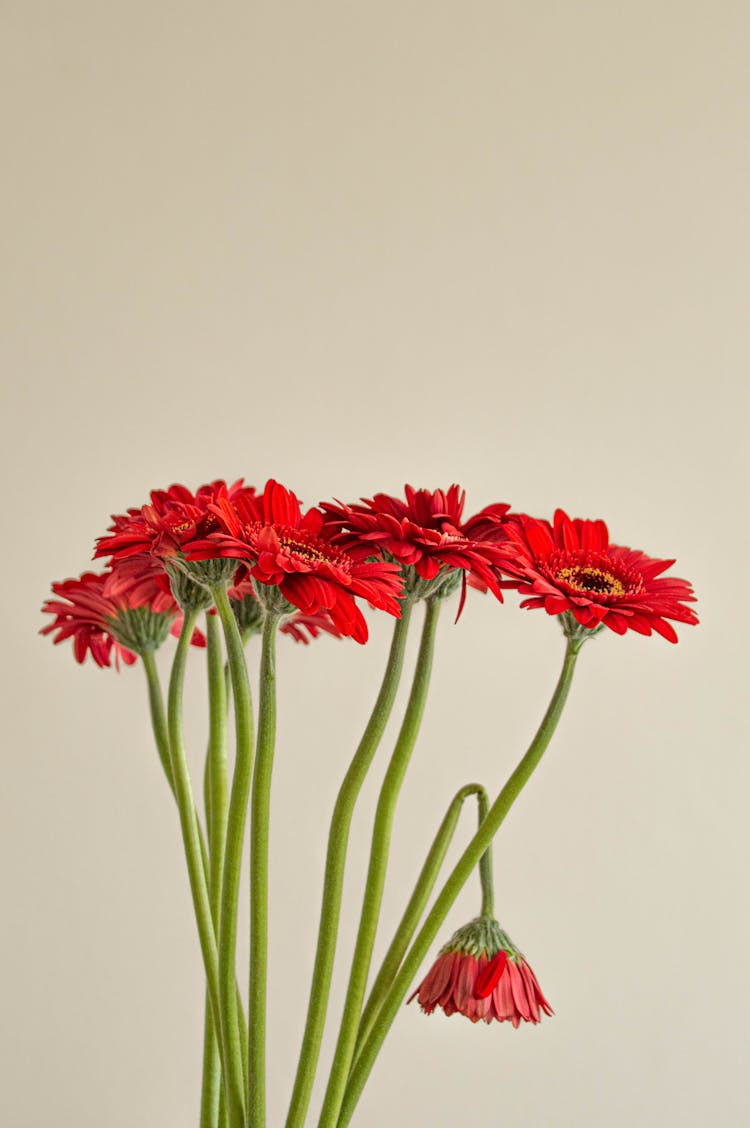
{"points": [[486, 879], [379, 849], [338, 839], [453, 885], [216, 797], [211, 1086], [416, 906], [194, 854], [158, 717], [230, 888], [259, 826]]}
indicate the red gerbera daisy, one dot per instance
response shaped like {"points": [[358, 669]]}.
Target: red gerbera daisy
{"points": [[569, 567], [102, 616], [292, 552], [481, 974], [174, 518], [425, 532]]}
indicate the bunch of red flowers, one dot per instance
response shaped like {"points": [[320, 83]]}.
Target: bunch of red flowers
{"points": [[380, 550]]}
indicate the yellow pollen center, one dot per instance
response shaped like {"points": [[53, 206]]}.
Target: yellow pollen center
{"points": [[592, 580]]}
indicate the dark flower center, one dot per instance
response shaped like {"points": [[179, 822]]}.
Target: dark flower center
{"points": [[592, 580], [593, 574], [311, 550]]}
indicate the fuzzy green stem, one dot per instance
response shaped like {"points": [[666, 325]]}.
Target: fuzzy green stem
{"points": [[416, 906], [486, 878], [379, 850], [194, 854], [230, 888], [453, 885], [338, 839], [158, 717], [260, 810], [216, 799]]}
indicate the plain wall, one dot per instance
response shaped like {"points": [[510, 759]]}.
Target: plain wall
{"points": [[351, 245]]}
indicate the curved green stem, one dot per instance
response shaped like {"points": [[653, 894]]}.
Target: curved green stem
{"points": [[158, 717], [338, 839], [259, 827], [230, 887], [196, 862], [486, 879], [379, 849], [416, 906], [462, 870]]}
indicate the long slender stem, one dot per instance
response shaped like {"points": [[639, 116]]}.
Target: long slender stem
{"points": [[230, 888], [416, 906], [194, 855], [486, 878], [338, 839], [453, 885], [379, 850], [259, 832], [158, 716], [216, 796]]}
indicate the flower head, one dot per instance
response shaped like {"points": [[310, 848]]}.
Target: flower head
{"points": [[569, 567], [174, 518], [293, 553], [481, 974], [426, 534], [105, 616]]}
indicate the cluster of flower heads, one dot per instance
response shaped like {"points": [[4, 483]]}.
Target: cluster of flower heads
{"points": [[314, 566]]}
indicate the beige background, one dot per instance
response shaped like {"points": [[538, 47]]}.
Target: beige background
{"points": [[351, 245]]}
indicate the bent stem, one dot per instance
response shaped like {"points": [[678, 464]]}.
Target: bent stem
{"points": [[338, 840], [260, 811], [416, 906], [379, 850], [230, 886], [453, 885]]}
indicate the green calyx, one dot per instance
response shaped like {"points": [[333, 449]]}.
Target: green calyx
{"points": [[575, 633], [189, 592], [482, 936], [271, 600], [139, 628], [441, 586], [249, 615]]}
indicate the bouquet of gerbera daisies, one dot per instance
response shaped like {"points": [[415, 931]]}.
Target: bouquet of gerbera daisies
{"points": [[254, 564]]}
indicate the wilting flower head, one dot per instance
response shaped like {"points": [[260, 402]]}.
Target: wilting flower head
{"points": [[425, 533], [569, 567], [103, 616], [294, 554], [481, 974]]}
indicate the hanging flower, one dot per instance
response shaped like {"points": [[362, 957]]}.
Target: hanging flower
{"points": [[294, 555], [425, 533], [569, 567], [105, 617], [481, 974]]}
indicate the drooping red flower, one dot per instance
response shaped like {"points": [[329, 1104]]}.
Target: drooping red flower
{"points": [[174, 519], [481, 974], [570, 566], [426, 532], [284, 549]]}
